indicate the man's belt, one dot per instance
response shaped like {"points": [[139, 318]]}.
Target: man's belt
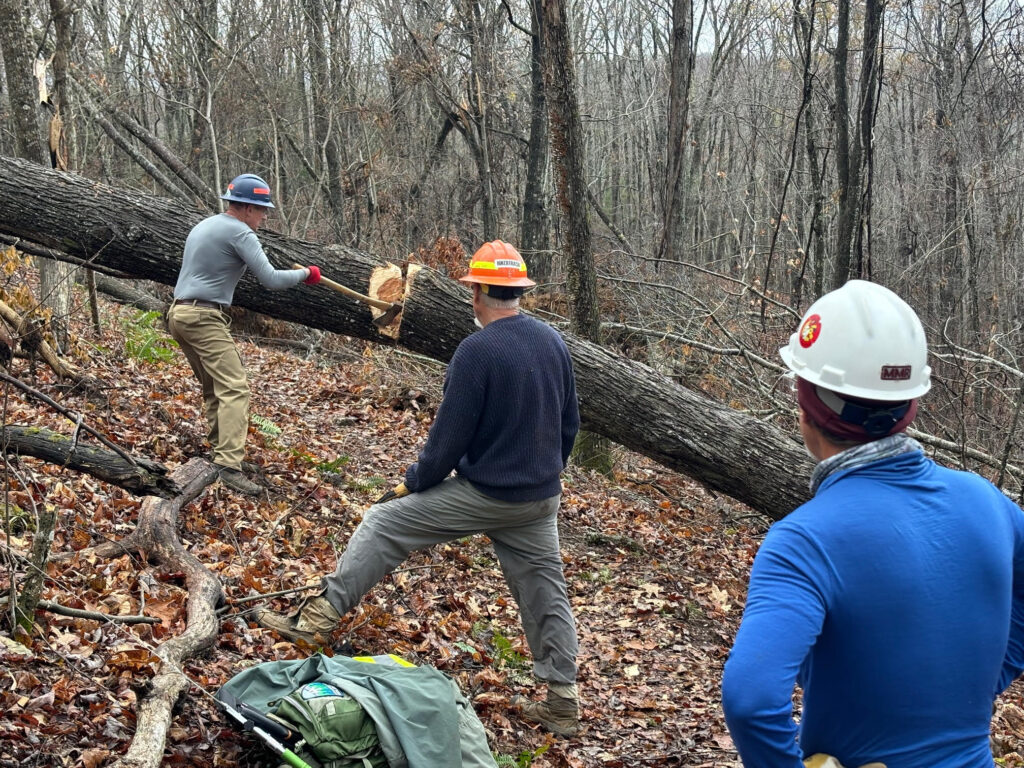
{"points": [[201, 303]]}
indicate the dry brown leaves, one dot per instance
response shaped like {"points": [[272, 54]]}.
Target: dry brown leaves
{"points": [[656, 568]]}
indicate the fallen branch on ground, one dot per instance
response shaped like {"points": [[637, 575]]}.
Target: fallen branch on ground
{"points": [[156, 538]]}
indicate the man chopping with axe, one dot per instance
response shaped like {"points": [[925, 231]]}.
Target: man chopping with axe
{"points": [[217, 252], [506, 425]]}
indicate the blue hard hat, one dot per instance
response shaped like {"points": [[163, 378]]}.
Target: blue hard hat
{"points": [[248, 188]]}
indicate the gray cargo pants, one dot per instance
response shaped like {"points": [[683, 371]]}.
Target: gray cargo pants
{"points": [[525, 537]]}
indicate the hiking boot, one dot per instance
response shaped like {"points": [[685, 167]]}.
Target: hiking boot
{"points": [[236, 481], [559, 713], [313, 622]]}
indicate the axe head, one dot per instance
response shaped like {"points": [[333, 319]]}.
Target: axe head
{"points": [[388, 317]]}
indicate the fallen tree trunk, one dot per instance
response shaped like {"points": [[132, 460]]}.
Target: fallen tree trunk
{"points": [[145, 477], [630, 403], [123, 293]]}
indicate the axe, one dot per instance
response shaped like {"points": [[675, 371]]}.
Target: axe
{"points": [[391, 310]]}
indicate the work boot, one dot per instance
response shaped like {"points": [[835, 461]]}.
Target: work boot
{"points": [[235, 480], [559, 713], [313, 622]]}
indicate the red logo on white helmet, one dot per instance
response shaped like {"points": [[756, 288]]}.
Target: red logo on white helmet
{"points": [[810, 331]]}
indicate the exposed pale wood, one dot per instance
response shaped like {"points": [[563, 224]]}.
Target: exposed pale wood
{"points": [[387, 284]]}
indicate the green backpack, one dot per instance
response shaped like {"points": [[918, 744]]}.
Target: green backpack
{"points": [[336, 731]]}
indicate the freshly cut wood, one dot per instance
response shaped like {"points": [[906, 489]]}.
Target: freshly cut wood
{"points": [[628, 402], [144, 477]]}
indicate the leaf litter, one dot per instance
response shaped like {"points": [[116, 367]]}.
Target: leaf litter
{"points": [[656, 567]]}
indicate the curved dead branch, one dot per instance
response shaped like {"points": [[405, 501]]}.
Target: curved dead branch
{"points": [[156, 538]]}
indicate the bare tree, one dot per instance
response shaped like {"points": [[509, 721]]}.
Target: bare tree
{"points": [[680, 71]]}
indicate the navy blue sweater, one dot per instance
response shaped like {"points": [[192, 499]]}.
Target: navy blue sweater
{"points": [[509, 415]]}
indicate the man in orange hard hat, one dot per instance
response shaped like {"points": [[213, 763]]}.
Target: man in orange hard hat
{"points": [[506, 425]]}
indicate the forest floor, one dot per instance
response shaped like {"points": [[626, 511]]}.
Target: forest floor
{"points": [[656, 567]]}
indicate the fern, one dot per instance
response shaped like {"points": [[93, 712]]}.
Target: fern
{"points": [[264, 425]]}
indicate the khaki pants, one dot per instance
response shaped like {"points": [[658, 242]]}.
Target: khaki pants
{"points": [[202, 333], [525, 539]]}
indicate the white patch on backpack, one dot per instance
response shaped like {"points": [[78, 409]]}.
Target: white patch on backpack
{"points": [[319, 690]]}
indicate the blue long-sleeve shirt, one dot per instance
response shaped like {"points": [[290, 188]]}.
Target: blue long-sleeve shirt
{"points": [[509, 416], [895, 597]]}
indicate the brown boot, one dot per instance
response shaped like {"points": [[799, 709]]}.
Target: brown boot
{"points": [[236, 481], [559, 713], [313, 622]]}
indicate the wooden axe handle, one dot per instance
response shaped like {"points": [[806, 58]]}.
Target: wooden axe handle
{"points": [[350, 293]]}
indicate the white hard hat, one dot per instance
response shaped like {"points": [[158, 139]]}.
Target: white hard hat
{"points": [[864, 341]]}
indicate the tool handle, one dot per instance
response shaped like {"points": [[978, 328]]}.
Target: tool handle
{"points": [[257, 719], [286, 754], [385, 305], [232, 705], [294, 760]]}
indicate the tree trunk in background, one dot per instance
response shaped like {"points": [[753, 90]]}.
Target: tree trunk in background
{"points": [[57, 279], [852, 152], [870, 83], [534, 240], [847, 160], [673, 227], [205, 36], [623, 400], [814, 241], [19, 62], [567, 150], [25, 97], [324, 123], [479, 109]]}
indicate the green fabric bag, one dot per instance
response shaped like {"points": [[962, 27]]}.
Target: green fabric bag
{"points": [[335, 728]]}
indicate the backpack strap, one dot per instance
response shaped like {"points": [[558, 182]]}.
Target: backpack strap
{"points": [[350, 760]]}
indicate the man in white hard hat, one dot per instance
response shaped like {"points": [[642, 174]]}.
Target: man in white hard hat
{"points": [[895, 596]]}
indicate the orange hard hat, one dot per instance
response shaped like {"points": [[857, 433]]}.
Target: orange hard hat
{"points": [[498, 263]]}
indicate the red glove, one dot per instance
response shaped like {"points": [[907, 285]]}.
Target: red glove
{"points": [[314, 276]]}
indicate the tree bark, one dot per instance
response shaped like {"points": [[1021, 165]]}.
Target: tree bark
{"points": [[144, 477], [479, 75], [19, 59], [534, 239], [623, 400], [673, 238], [567, 149], [591, 450], [123, 292]]}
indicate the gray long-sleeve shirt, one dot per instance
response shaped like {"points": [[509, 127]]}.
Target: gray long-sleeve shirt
{"points": [[217, 251]]}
